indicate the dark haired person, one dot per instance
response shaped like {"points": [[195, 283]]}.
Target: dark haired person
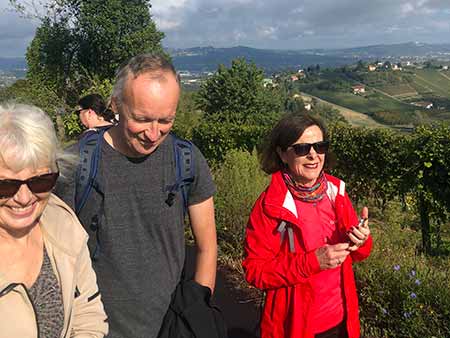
{"points": [[302, 238], [47, 285], [94, 113]]}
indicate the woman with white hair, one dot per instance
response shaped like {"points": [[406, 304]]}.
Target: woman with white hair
{"points": [[47, 285]]}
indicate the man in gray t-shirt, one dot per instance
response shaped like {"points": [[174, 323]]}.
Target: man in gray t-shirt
{"points": [[139, 243]]}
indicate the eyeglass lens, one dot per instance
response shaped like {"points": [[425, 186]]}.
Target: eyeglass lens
{"points": [[302, 149], [36, 184]]}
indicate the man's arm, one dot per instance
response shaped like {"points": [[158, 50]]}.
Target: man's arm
{"points": [[204, 229]]}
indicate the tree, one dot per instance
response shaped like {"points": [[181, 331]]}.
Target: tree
{"points": [[111, 31], [360, 66], [239, 110], [81, 43], [239, 91], [50, 56], [79, 40]]}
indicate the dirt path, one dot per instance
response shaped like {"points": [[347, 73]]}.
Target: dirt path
{"points": [[240, 309], [353, 117]]}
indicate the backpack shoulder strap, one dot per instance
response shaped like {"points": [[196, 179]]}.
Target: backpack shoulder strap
{"points": [[184, 170], [90, 151]]}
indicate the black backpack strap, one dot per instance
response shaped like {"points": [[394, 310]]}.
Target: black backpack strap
{"points": [[184, 171], [90, 152]]}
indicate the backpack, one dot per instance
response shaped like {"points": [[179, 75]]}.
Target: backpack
{"points": [[90, 155], [86, 174]]}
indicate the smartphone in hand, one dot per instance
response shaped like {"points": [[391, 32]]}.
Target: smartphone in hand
{"points": [[360, 224]]}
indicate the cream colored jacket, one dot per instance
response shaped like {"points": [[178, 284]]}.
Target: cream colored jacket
{"points": [[65, 241]]}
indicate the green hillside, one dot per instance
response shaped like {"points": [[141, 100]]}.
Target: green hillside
{"points": [[392, 97]]}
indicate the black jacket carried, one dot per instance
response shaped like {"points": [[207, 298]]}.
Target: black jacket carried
{"points": [[191, 314]]}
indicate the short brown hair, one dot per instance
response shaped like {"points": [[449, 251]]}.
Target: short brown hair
{"points": [[288, 129]]}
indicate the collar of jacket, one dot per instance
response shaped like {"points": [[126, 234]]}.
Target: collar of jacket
{"points": [[279, 203], [57, 223], [57, 231]]}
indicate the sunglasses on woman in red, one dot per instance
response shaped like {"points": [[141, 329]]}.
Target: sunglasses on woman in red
{"points": [[302, 149]]}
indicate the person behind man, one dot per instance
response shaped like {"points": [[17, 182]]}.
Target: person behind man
{"points": [[137, 238], [94, 113]]}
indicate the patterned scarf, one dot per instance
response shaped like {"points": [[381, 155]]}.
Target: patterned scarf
{"points": [[306, 194]]}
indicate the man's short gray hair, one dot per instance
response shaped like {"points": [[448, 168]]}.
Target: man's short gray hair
{"points": [[153, 64], [27, 138]]}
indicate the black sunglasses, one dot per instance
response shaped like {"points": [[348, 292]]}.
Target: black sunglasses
{"points": [[302, 149], [78, 111], [36, 184]]}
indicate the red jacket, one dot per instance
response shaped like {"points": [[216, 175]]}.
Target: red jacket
{"points": [[272, 265]]}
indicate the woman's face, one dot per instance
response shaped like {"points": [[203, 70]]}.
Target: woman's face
{"points": [[21, 212], [305, 169]]}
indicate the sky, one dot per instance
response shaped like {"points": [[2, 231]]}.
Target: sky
{"points": [[274, 24]]}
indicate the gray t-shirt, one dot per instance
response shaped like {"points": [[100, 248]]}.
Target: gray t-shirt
{"points": [[141, 252]]}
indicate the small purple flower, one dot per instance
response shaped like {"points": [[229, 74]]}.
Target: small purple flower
{"points": [[384, 311], [396, 267], [412, 273], [407, 315], [413, 295], [417, 282]]}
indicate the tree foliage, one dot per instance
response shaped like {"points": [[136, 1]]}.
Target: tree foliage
{"points": [[109, 32], [81, 40], [239, 91], [384, 165], [237, 110]]}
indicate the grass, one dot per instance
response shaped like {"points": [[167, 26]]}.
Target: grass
{"points": [[433, 80], [402, 293], [398, 90], [382, 108]]}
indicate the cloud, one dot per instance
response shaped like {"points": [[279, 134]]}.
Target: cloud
{"points": [[313, 23], [15, 32], [288, 24]]}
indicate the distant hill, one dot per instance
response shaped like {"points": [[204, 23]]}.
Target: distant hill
{"points": [[208, 58], [405, 50], [200, 59], [13, 66]]}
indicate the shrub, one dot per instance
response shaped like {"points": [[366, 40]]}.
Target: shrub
{"points": [[215, 137], [239, 182]]}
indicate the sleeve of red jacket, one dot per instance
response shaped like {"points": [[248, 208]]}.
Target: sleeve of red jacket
{"points": [[265, 266], [351, 218]]}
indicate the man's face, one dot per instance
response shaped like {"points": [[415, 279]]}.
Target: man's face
{"points": [[148, 112]]}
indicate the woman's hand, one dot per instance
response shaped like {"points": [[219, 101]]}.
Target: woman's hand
{"points": [[358, 235], [331, 256]]}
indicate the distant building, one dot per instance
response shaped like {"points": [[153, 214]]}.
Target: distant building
{"points": [[372, 68], [423, 104], [358, 89], [444, 67], [267, 82], [307, 100], [396, 67]]}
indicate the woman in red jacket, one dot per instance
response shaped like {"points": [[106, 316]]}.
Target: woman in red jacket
{"points": [[303, 237]]}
